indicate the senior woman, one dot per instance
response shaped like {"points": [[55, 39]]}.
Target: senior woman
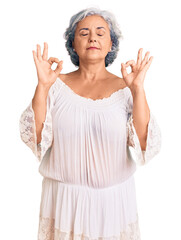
{"points": [[81, 126]]}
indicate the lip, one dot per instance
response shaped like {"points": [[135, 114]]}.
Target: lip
{"points": [[92, 48]]}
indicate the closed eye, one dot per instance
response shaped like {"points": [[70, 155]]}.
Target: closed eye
{"points": [[87, 34]]}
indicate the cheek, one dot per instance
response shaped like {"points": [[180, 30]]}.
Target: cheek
{"points": [[106, 42], [80, 43], [106, 45]]}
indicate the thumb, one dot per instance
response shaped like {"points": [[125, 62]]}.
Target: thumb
{"points": [[58, 68]]}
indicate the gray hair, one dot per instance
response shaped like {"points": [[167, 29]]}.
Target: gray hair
{"points": [[115, 33]]}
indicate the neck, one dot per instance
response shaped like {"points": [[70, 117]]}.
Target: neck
{"points": [[92, 72]]}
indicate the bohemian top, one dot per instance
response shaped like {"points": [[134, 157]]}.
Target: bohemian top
{"points": [[88, 142]]}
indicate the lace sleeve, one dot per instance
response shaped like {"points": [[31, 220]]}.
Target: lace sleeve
{"points": [[27, 127], [153, 144]]}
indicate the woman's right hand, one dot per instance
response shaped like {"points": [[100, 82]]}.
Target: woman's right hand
{"points": [[46, 76]]}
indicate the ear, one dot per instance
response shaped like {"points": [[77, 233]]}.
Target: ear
{"points": [[73, 44], [110, 46]]}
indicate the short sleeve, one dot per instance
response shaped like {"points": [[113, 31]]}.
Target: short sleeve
{"points": [[153, 144], [27, 126]]}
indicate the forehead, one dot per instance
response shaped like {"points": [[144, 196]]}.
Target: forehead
{"points": [[92, 21]]}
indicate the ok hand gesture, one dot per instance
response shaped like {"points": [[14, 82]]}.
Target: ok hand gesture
{"points": [[46, 76], [139, 69]]}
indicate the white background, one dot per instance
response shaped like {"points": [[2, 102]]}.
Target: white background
{"points": [[153, 25]]}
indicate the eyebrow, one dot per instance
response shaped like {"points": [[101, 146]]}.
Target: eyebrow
{"points": [[88, 28]]}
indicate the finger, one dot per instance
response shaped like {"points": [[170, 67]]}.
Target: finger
{"points": [[59, 67], [130, 63], [148, 63], [51, 60], [39, 52], [123, 70], [139, 58], [35, 57], [45, 51], [145, 59]]}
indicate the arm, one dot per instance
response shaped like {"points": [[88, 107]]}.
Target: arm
{"points": [[141, 115], [36, 120], [39, 141], [144, 134], [39, 103]]}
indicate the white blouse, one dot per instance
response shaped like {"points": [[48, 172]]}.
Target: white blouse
{"points": [[86, 141]]}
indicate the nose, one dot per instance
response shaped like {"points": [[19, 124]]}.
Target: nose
{"points": [[91, 40], [92, 36]]}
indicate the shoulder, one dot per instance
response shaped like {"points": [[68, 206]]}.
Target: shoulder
{"points": [[121, 84], [120, 81], [113, 79], [65, 76], [62, 76], [55, 87], [117, 81]]}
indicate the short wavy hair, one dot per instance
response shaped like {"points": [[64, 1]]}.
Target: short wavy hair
{"points": [[115, 33]]}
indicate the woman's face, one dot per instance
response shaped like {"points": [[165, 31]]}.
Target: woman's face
{"points": [[92, 31]]}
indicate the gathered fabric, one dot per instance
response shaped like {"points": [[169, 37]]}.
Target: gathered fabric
{"points": [[85, 159]]}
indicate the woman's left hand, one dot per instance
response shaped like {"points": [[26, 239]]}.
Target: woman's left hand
{"points": [[136, 77]]}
